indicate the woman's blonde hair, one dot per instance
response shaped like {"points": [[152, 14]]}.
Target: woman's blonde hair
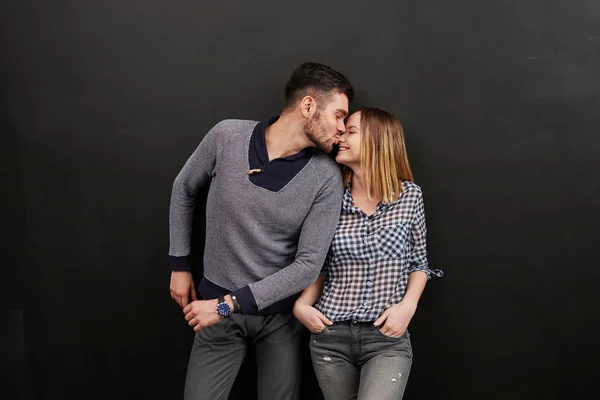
{"points": [[383, 158]]}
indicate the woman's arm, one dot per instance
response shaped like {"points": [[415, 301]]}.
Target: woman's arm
{"points": [[414, 288], [395, 319], [304, 311], [311, 294]]}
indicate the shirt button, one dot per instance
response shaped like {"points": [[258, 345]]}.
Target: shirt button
{"points": [[366, 303], [369, 283], [353, 321], [366, 240]]}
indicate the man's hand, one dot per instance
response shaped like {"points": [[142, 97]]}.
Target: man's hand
{"points": [[201, 313], [310, 317], [182, 287], [396, 319]]}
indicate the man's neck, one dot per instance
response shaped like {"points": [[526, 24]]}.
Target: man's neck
{"points": [[286, 136]]}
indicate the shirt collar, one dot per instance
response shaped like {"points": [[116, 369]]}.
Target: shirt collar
{"points": [[347, 200], [348, 207]]}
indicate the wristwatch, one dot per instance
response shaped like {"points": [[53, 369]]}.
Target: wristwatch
{"points": [[223, 309]]}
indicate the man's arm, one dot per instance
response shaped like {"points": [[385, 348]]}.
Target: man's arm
{"points": [[315, 238], [196, 172]]}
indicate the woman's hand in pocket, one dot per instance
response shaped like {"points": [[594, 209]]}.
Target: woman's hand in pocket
{"points": [[310, 317], [395, 319]]}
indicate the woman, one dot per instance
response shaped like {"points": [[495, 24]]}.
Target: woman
{"points": [[375, 271]]}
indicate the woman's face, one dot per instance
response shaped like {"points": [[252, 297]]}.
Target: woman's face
{"points": [[349, 145]]}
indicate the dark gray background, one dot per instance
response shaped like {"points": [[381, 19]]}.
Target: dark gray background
{"points": [[103, 101]]}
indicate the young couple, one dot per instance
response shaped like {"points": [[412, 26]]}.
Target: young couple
{"points": [[292, 241]]}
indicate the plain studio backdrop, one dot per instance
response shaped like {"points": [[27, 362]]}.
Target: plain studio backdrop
{"points": [[103, 101]]}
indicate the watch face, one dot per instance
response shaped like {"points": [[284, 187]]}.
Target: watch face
{"points": [[223, 309]]}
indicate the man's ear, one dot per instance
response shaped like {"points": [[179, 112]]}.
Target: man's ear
{"points": [[308, 106]]}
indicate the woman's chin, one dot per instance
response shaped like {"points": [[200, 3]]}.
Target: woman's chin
{"points": [[343, 159]]}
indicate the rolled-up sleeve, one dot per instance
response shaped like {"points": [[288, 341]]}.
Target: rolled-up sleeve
{"points": [[418, 260]]}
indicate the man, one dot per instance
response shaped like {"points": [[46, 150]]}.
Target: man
{"points": [[272, 210]]}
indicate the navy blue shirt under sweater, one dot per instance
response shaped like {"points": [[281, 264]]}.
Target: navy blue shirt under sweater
{"points": [[277, 173], [273, 176]]}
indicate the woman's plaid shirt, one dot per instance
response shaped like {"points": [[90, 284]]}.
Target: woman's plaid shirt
{"points": [[370, 258]]}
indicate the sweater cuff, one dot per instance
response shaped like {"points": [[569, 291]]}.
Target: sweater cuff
{"points": [[181, 263], [247, 301]]}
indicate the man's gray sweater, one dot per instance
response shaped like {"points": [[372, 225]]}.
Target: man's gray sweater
{"points": [[263, 246]]}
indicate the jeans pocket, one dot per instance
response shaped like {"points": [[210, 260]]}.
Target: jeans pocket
{"points": [[403, 336], [324, 330]]}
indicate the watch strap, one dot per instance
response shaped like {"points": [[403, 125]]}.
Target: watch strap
{"points": [[236, 304]]}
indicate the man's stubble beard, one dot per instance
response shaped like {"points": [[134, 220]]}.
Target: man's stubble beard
{"points": [[317, 133]]}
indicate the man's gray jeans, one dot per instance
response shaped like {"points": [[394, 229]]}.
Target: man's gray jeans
{"points": [[218, 352], [354, 360]]}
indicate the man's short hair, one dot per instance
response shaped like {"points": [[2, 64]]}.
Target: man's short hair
{"points": [[316, 80]]}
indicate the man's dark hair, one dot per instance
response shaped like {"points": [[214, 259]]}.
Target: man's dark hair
{"points": [[316, 80]]}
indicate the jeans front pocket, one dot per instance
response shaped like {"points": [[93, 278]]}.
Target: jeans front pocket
{"points": [[405, 335]]}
